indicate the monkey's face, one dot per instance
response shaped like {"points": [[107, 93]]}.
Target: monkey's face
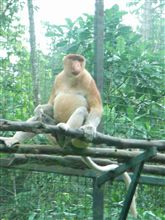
{"points": [[75, 67], [74, 64]]}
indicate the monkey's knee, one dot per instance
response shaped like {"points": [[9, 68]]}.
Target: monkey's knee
{"points": [[78, 117], [82, 111]]}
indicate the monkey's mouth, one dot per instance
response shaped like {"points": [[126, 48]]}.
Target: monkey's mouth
{"points": [[75, 73]]}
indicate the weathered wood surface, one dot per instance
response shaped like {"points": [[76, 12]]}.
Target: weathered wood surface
{"points": [[130, 164], [69, 165], [97, 152], [38, 127], [40, 156]]}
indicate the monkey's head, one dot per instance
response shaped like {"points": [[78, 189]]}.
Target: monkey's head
{"points": [[74, 64]]}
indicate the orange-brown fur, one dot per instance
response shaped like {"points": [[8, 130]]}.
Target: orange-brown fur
{"points": [[71, 91]]}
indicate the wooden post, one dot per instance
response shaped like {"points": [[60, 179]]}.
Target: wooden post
{"points": [[99, 48], [33, 55], [98, 201], [131, 191], [99, 44]]}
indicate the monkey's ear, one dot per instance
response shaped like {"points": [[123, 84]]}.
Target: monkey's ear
{"points": [[64, 58]]}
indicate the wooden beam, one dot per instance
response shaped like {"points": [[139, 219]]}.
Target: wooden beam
{"points": [[38, 127], [49, 163], [97, 152], [7, 163]]}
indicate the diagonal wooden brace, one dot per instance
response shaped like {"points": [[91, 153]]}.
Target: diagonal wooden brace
{"points": [[137, 162], [131, 191], [126, 166]]}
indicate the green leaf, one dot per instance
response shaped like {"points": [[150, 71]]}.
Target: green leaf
{"points": [[120, 45], [32, 216], [69, 22]]}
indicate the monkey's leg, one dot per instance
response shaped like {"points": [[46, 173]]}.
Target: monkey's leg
{"points": [[75, 121], [78, 118], [20, 136]]}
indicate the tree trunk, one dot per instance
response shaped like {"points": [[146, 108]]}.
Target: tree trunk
{"points": [[147, 29], [33, 54], [99, 44], [161, 40]]}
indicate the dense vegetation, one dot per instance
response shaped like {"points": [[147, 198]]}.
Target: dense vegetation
{"points": [[134, 90]]}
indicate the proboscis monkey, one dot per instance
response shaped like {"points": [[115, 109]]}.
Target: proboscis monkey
{"points": [[74, 102]]}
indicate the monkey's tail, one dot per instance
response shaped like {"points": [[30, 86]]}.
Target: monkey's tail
{"points": [[91, 164], [133, 209]]}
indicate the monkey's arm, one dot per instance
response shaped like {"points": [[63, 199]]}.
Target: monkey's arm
{"points": [[95, 111], [56, 84], [52, 95], [95, 106]]}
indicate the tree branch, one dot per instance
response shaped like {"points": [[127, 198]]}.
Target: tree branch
{"points": [[7, 6]]}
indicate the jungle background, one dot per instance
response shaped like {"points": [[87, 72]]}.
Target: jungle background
{"points": [[133, 98]]}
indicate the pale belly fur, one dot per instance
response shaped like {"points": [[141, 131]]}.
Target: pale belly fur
{"points": [[66, 104]]}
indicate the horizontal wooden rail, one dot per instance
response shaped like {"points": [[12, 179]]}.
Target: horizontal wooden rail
{"points": [[97, 152], [69, 165], [38, 127]]}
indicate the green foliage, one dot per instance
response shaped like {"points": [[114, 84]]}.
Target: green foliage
{"points": [[134, 92], [133, 107], [151, 13], [137, 94], [15, 77], [74, 36], [45, 196], [34, 195]]}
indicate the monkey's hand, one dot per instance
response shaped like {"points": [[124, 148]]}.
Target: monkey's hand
{"points": [[61, 139], [63, 126], [89, 131]]}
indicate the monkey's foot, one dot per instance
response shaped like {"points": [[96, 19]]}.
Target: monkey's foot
{"points": [[9, 141], [80, 144], [89, 132], [61, 139]]}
